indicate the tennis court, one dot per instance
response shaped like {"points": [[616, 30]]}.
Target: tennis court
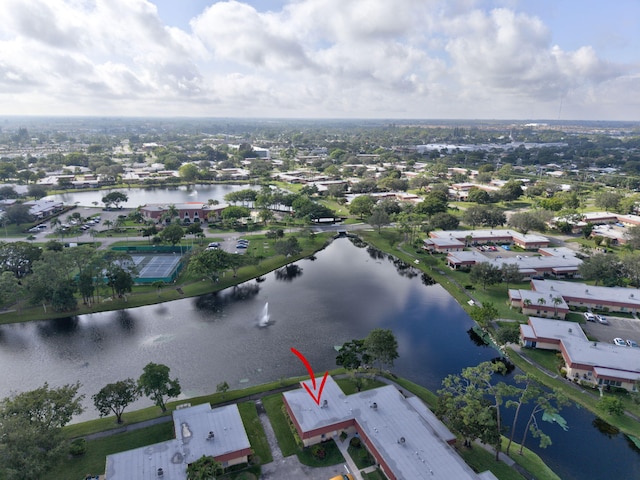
{"points": [[156, 267]]}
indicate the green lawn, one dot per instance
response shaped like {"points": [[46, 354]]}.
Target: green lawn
{"points": [[349, 385], [273, 405], [332, 452], [361, 457], [93, 461], [545, 358], [255, 432], [481, 460], [530, 462], [375, 475]]}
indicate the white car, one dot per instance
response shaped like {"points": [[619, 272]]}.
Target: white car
{"points": [[590, 317], [602, 320], [620, 342], [632, 343]]}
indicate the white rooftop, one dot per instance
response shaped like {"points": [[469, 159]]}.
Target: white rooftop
{"points": [[192, 425], [590, 293], [423, 454]]}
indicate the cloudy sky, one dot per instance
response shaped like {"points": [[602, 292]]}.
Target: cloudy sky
{"points": [[472, 59]]}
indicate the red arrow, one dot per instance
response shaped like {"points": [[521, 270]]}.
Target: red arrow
{"points": [[313, 378]]}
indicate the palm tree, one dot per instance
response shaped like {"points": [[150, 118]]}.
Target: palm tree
{"points": [[542, 301], [556, 301], [108, 224], [526, 303]]}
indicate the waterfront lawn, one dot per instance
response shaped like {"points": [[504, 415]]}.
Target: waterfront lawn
{"points": [[255, 432], [545, 358], [427, 396], [349, 386], [529, 461], [274, 406], [93, 461]]}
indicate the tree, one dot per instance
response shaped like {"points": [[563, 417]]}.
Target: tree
{"points": [[445, 221], [172, 234], [18, 214], [479, 196], [510, 273], [120, 280], [601, 267], [18, 257], [485, 314], [379, 218], [36, 191], [382, 347], [486, 273], [222, 388], [352, 355], [632, 236], [611, 405], [189, 172], [630, 263], [362, 206], [609, 201], [31, 439], [115, 199], [512, 190], [474, 215], [210, 263], [288, 247], [115, 397], [156, 384], [549, 402], [524, 222], [472, 404], [205, 468]]}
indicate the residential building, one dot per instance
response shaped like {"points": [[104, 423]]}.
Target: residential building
{"points": [[404, 436], [199, 430], [188, 212], [612, 299], [600, 364]]}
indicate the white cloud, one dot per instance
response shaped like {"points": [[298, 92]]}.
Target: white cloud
{"points": [[413, 58]]}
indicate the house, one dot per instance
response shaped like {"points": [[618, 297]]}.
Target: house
{"points": [[404, 436], [598, 364], [199, 430]]}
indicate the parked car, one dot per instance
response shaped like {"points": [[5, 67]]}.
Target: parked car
{"points": [[602, 320], [344, 476], [631, 343], [214, 245], [620, 342], [241, 245], [590, 317]]}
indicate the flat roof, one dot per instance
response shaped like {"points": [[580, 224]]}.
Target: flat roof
{"points": [[617, 361], [423, 454], [489, 234], [589, 293], [192, 426]]}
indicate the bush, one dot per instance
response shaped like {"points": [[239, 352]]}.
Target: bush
{"points": [[355, 442], [318, 452], [78, 447]]}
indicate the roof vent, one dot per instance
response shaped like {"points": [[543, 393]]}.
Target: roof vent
{"points": [[586, 290], [631, 295], [401, 441], [374, 405], [570, 330], [325, 403], [210, 436], [160, 472]]}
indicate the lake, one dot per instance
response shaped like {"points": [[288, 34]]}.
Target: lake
{"points": [[144, 196], [340, 294]]}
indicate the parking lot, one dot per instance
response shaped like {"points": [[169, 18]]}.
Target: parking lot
{"points": [[625, 328]]}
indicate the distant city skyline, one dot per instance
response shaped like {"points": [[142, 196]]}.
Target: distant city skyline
{"points": [[421, 59]]}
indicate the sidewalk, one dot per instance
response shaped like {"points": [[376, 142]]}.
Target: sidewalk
{"points": [[342, 446]]}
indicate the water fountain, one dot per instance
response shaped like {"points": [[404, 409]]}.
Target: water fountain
{"points": [[263, 320]]}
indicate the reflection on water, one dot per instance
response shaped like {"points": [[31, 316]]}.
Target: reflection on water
{"points": [[288, 273], [605, 428], [216, 302]]}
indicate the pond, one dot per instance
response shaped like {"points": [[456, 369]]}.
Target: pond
{"points": [[144, 196], [338, 295]]}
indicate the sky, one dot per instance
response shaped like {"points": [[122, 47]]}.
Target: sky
{"points": [[390, 59]]}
